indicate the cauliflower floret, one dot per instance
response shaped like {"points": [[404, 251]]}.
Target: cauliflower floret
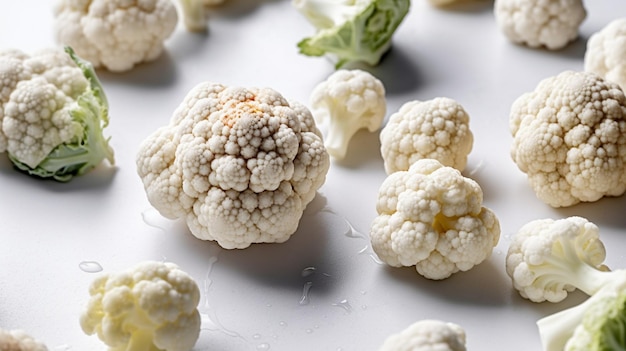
{"points": [[569, 137], [195, 14], [549, 258], [432, 217], [52, 113], [348, 100], [240, 165], [548, 23], [437, 129], [115, 34], [427, 335], [152, 306], [18, 340], [606, 51]]}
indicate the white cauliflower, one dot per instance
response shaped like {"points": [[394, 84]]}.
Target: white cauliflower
{"points": [[540, 23], [437, 129], [347, 101], [239, 164], [432, 217], [549, 258], [19, 340], [152, 306], [606, 53], [569, 137], [115, 34], [195, 14], [52, 114], [427, 335]]}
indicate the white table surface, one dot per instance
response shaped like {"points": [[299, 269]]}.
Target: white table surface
{"points": [[251, 299]]}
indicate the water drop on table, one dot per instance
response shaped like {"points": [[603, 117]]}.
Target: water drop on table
{"points": [[90, 266], [262, 347], [344, 304], [304, 299]]}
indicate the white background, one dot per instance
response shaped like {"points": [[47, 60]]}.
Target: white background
{"points": [[251, 299]]}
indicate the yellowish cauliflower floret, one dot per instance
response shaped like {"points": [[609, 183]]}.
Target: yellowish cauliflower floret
{"points": [[239, 164], [436, 129], [569, 137], [432, 217], [18, 340], [151, 307], [540, 23], [115, 34], [606, 53]]}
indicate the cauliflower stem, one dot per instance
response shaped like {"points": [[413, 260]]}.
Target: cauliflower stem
{"points": [[596, 324], [87, 149]]}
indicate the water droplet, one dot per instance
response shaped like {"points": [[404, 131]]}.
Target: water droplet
{"points": [[352, 232], [344, 304], [309, 331], [308, 271], [305, 299], [256, 336], [476, 169], [153, 218], [90, 266], [282, 323], [207, 312], [262, 347]]}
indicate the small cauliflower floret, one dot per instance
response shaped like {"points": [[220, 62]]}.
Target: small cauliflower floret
{"points": [[432, 217], [569, 137], [19, 340], [347, 101], [606, 51], [52, 114], [239, 164], [152, 307], [540, 23], [549, 258], [115, 34], [437, 129], [195, 15], [427, 335]]}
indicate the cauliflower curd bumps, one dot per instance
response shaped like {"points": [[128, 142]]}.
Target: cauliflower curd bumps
{"points": [[569, 137], [239, 164]]}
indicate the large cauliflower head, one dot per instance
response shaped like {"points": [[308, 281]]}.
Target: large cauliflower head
{"points": [[606, 51], [432, 217], [115, 34], [437, 129], [569, 137], [151, 306], [540, 23], [239, 164]]}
